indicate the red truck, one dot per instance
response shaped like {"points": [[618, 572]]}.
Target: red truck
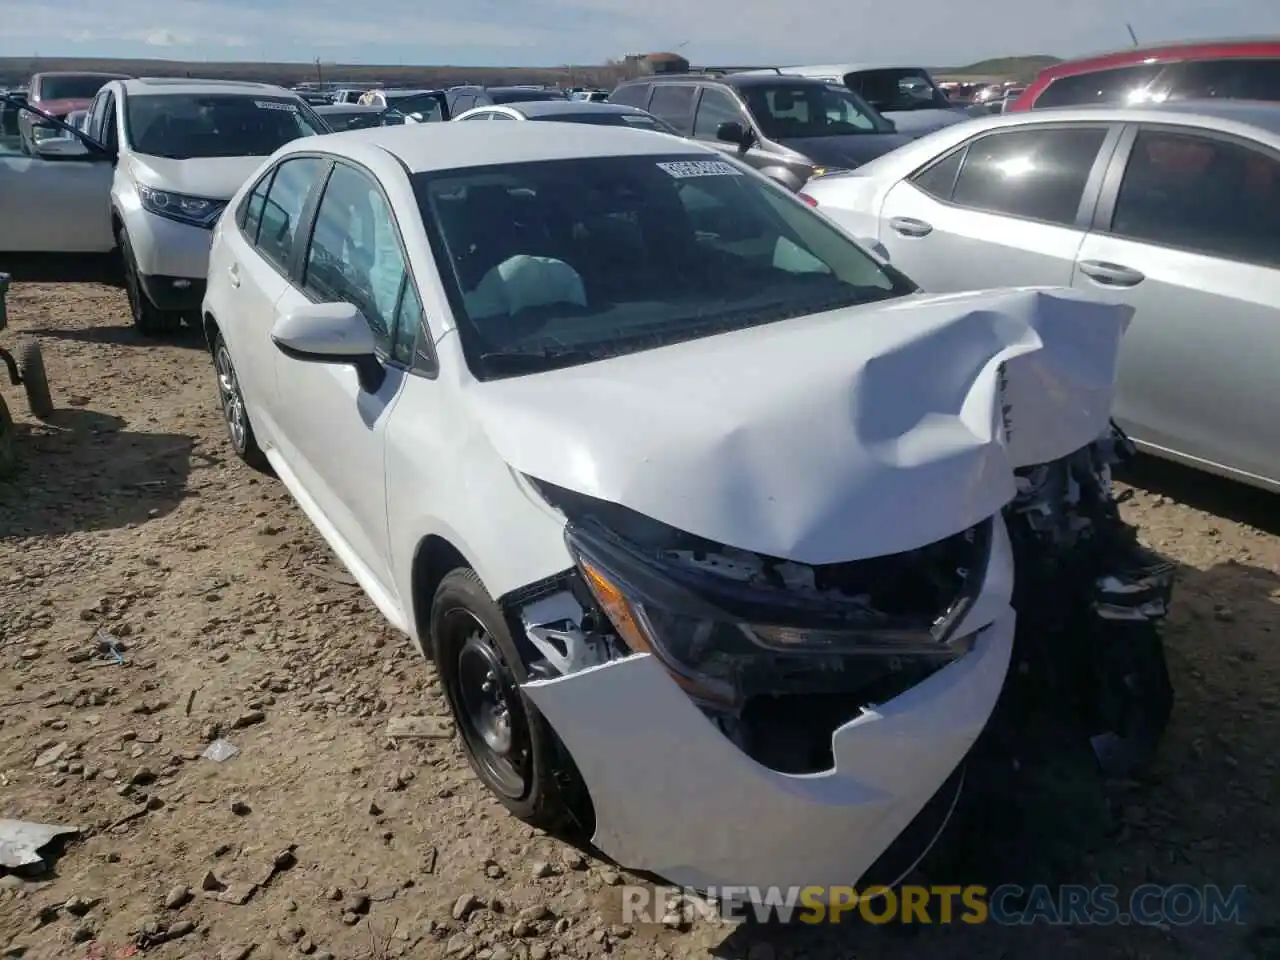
{"points": [[58, 94]]}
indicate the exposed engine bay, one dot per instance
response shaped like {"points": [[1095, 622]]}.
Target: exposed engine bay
{"points": [[779, 654]]}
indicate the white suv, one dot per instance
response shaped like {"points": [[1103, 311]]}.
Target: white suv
{"points": [[181, 148]]}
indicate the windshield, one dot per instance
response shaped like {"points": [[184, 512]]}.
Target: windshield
{"points": [[641, 121], [525, 96], [563, 262], [898, 89], [421, 106], [186, 126], [78, 87], [352, 119], [789, 111]]}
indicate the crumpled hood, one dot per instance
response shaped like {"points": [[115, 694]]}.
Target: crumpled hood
{"points": [[850, 434], [851, 151], [215, 178]]}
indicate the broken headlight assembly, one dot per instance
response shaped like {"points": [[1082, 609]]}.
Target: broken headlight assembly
{"points": [[730, 625]]}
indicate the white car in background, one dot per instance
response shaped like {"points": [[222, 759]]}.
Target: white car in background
{"points": [[709, 519], [156, 163], [181, 149], [572, 111]]}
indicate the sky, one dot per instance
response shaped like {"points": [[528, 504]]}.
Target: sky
{"points": [[554, 32]]}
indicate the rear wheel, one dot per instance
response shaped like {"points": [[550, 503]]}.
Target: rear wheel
{"points": [[509, 745], [150, 320], [34, 379], [234, 413]]}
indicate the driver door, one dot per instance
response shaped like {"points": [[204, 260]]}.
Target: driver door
{"points": [[332, 428], [57, 205]]}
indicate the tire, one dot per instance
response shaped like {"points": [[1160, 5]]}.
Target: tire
{"points": [[150, 320], [235, 416], [34, 379], [464, 617], [8, 443]]}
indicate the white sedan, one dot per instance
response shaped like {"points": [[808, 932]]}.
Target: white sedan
{"points": [[708, 518]]}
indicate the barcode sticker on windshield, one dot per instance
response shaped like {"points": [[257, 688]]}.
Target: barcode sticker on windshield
{"points": [[275, 105], [700, 168]]}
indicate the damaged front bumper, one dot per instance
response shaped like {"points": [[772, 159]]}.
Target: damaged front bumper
{"points": [[691, 779], [673, 795]]}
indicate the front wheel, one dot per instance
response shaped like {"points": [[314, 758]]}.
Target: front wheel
{"points": [[234, 413], [150, 320], [509, 745]]}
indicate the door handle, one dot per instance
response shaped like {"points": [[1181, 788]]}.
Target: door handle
{"points": [[910, 227], [1110, 274], [233, 272]]}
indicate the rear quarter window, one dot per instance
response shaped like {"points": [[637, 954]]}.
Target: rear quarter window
{"points": [[634, 95]]}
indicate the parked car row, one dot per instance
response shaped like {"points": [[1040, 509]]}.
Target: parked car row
{"points": [[1039, 200]]}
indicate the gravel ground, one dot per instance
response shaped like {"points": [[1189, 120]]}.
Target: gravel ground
{"points": [[133, 522]]}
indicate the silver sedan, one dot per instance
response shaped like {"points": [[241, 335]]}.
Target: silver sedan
{"points": [[1173, 209]]}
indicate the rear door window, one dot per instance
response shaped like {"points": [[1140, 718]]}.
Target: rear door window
{"points": [[1038, 174], [1200, 194], [673, 102], [1100, 86], [633, 95], [1237, 79], [282, 208]]}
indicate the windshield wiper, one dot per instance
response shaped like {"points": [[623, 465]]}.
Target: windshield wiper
{"points": [[534, 361]]}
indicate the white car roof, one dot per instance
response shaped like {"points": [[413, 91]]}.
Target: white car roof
{"points": [[186, 85], [425, 147], [840, 69]]}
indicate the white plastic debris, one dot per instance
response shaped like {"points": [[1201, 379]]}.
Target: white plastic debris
{"points": [[220, 750], [20, 841]]}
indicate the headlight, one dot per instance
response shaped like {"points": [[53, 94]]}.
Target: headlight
{"points": [[45, 132], [827, 171], [195, 211], [714, 634]]}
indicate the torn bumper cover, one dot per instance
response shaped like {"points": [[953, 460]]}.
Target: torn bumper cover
{"points": [[674, 796]]}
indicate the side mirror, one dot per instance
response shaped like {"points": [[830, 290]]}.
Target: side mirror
{"points": [[61, 148], [893, 127], [331, 333], [393, 118], [732, 132], [872, 245]]}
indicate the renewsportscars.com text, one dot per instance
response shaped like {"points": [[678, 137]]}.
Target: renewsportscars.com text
{"points": [[1007, 905]]}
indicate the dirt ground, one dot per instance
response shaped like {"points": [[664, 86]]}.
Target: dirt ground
{"points": [[133, 523]]}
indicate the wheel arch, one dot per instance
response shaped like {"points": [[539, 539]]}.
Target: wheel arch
{"points": [[209, 327], [434, 558]]}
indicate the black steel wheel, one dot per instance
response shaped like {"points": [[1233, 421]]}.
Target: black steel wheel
{"points": [[509, 745], [491, 718], [34, 379]]}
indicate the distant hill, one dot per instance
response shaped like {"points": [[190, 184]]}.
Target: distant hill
{"points": [[16, 70], [1006, 68]]}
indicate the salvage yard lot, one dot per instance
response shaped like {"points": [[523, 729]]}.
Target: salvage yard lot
{"points": [[132, 516]]}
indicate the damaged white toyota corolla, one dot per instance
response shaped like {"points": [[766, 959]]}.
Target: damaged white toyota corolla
{"points": [[719, 532]]}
